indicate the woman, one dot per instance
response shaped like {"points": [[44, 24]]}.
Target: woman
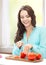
{"points": [[29, 38]]}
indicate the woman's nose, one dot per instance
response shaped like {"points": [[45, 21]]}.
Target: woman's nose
{"points": [[25, 18]]}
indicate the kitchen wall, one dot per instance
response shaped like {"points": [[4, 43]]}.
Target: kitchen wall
{"points": [[0, 22]]}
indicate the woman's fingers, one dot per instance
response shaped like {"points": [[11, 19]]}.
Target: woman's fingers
{"points": [[19, 44], [26, 49]]}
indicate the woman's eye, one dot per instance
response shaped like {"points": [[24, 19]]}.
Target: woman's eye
{"points": [[27, 16], [21, 17]]}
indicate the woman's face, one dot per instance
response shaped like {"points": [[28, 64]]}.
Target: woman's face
{"points": [[25, 18]]}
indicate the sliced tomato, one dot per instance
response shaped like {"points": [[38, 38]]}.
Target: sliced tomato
{"points": [[38, 56], [31, 56], [22, 55]]}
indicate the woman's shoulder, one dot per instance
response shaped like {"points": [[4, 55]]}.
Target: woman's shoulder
{"points": [[40, 28], [37, 29]]}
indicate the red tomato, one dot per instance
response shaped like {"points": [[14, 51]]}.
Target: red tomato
{"points": [[31, 56], [38, 56], [22, 55]]}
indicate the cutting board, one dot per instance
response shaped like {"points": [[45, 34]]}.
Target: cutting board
{"points": [[21, 59]]}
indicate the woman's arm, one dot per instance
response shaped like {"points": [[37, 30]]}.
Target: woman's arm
{"points": [[17, 48]]}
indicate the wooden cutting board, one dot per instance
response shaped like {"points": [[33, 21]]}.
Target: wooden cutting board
{"points": [[21, 59]]}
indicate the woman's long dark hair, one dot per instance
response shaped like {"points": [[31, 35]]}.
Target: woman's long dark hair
{"points": [[21, 28]]}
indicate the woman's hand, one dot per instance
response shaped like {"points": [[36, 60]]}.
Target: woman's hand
{"points": [[19, 44], [27, 48]]}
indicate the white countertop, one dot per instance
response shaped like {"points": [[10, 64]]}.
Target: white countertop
{"points": [[4, 61]]}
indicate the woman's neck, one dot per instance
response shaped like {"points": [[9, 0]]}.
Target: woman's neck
{"points": [[29, 29]]}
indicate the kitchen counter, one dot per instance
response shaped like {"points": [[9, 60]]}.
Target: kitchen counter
{"points": [[4, 61]]}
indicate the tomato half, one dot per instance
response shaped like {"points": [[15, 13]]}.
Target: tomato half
{"points": [[22, 55], [38, 56], [31, 56]]}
